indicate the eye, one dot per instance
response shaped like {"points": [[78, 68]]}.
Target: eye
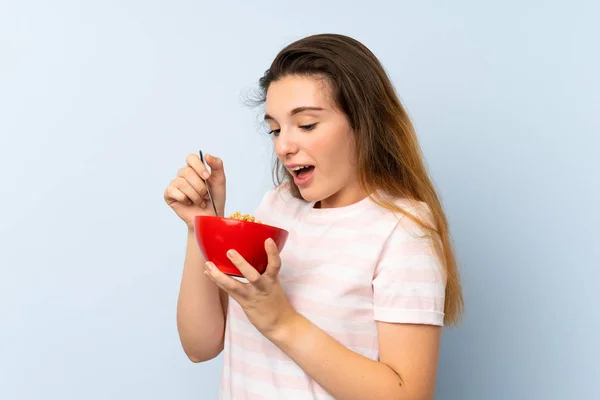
{"points": [[274, 132], [308, 127]]}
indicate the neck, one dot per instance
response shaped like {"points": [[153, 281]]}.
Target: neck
{"points": [[343, 198]]}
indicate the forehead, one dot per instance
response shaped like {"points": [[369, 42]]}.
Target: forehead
{"points": [[295, 91]]}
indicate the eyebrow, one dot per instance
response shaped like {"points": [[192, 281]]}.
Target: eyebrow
{"points": [[295, 111]]}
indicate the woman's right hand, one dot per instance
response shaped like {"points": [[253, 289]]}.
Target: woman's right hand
{"points": [[187, 194]]}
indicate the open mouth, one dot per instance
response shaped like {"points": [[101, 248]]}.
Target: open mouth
{"points": [[302, 170]]}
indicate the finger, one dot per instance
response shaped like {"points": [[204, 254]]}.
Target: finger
{"points": [[188, 190], [249, 272], [216, 168], [173, 194], [217, 180], [190, 175], [193, 160], [227, 283], [274, 260]]}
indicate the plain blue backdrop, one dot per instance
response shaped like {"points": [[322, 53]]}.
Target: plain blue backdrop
{"points": [[100, 102]]}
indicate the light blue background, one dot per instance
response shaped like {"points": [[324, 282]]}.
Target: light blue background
{"points": [[100, 102]]}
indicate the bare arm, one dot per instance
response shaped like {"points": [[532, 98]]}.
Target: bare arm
{"points": [[201, 308], [406, 370]]}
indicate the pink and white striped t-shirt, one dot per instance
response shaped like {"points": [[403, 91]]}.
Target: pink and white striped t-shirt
{"points": [[343, 269]]}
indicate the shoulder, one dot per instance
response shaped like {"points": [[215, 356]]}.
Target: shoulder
{"points": [[415, 215], [407, 215]]}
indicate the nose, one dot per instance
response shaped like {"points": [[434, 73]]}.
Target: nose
{"points": [[285, 144]]}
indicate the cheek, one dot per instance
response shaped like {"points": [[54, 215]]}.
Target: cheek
{"points": [[325, 151], [330, 141], [333, 152], [339, 144]]}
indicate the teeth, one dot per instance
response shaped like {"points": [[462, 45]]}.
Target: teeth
{"points": [[299, 167]]}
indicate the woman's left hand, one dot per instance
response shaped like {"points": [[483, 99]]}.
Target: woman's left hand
{"points": [[262, 298]]}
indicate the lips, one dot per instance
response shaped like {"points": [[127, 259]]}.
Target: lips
{"points": [[302, 174]]}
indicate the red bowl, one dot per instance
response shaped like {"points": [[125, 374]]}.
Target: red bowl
{"points": [[216, 235]]}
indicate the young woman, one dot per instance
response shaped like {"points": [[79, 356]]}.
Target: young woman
{"points": [[353, 306]]}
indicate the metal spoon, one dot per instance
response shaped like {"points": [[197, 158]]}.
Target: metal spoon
{"points": [[207, 188]]}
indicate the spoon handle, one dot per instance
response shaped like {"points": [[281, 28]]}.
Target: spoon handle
{"points": [[207, 188]]}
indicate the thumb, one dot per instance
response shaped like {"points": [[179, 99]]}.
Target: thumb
{"points": [[217, 178], [216, 166], [215, 163]]}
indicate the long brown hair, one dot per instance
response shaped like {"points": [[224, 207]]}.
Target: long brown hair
{"points": [[388, 153]]}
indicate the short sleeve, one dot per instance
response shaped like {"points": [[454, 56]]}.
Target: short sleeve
{"points": [[409, 282]]}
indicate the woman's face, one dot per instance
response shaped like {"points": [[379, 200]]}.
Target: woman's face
{"points": [[313, 140]]}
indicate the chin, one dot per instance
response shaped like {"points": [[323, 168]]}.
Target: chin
{"points": [[307, 194], [312, 194]]}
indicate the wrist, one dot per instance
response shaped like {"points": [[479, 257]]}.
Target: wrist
{"points": [[286, 330]]}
